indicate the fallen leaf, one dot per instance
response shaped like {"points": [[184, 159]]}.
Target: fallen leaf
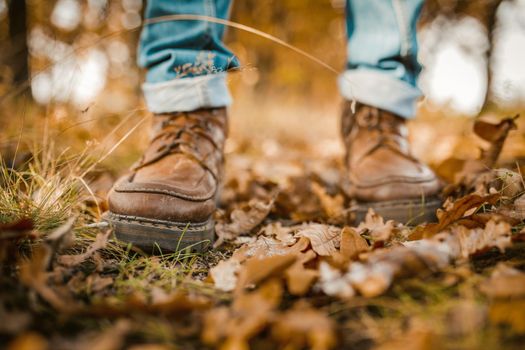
{"points": [[495, 234], [458, 210], [504, 282], [283, 234], [14, 322], [508, 313], [352, 243], [412, 340], [224, 274], [519, 207], [28, 341], [243, 220], [16, 229], [100, 242], [511, 183], [333, 282], [371, 280], [325, 239], [304, 327], [376, 227], [97, 283], [33, 275], [232, 327], [333, 206], [298, 278], [256, 269], [466, 317], [496, 134]]}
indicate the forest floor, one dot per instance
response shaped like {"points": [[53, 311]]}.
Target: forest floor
{"points": [[290, 268]]}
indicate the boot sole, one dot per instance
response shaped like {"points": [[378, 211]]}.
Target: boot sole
{"points": [[159, 236], [408, 212]]}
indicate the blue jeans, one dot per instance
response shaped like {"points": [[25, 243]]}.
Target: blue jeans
{"points": [[187, 61]]}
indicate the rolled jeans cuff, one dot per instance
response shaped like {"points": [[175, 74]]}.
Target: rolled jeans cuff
{"points": [[380, 90], [187, 94]]}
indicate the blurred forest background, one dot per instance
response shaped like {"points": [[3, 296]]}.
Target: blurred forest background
{"points": [[70, 64]]}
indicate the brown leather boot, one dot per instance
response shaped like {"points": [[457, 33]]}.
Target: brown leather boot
{"points": [[381, 172], [170, 195]]}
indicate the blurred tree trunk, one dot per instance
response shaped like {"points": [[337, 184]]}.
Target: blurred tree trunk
{"points": [[18, 56], [490, 23]]}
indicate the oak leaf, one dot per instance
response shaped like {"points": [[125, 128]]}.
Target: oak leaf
{"points": [[352, 243], [256, 269], [224, 274], [376, 227], [298, 278], [456, 212], [243, 220], [325, 239]]}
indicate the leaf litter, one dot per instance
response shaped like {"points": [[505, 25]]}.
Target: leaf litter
{"points": [[290, 268]]}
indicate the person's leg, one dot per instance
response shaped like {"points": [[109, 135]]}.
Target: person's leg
{"points": [[382, 66], [381, 76], [169, 198], [186, 60]]}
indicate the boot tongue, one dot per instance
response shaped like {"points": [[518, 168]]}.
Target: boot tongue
{"points": [[374, 130]]}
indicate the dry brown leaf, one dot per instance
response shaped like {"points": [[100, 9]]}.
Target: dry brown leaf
{"points": [[519, 207], [33, 275], [100, 242], [249, 314], [333, 206], [458, 210], [371, 280], [178, 302], [504, 282], [14, 322], [17, 229], [325, 239], [376, 227], [224, 274], [283, 234], [10, 234], [495, 234], [496, 134], [256, 269], [243, 220], [304, 327], [466, 317], [298, 278], [265, 246], [420, 257], [97, 283], [175, 303], [511, 183], [509, 313], [413, 340], [352, 243], [333, 282], [28, 341]]}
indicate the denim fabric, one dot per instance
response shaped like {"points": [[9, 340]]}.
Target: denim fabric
{"points": [[382, 66], [186, 61]]}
